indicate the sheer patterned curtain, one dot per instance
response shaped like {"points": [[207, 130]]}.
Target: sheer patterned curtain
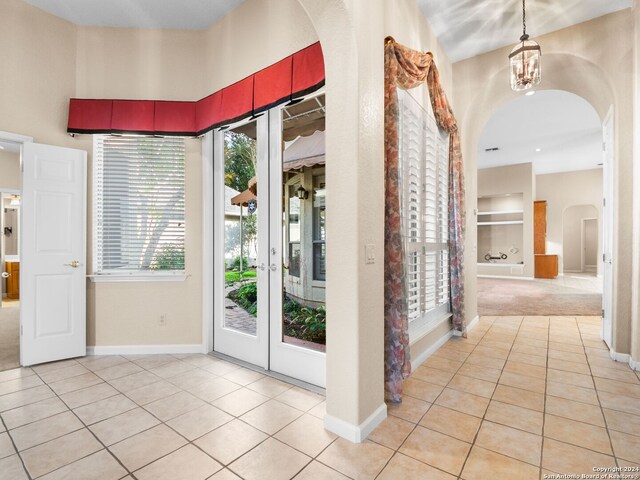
{"points": [[408, 69]]}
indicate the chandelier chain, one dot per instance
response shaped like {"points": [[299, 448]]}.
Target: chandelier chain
{"points": [[524, 19]]}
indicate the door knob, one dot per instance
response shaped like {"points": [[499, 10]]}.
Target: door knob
{"points": [[74, 264], [261, 267], [5, 275], [272, 267]]}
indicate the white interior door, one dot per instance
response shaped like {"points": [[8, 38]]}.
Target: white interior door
{"points": [[237, 332], [53, 253], [607, 229]]}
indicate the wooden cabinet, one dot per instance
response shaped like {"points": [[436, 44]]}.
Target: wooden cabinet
{"points": [[546, 266], [13, 281], [540, 227]]}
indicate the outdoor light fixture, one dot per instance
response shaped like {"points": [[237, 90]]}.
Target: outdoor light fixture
{"points": [[15, 201], [302, 193], [524, 59]]}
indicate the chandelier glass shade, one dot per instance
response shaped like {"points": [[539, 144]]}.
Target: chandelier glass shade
{"points": [[525, 68]]}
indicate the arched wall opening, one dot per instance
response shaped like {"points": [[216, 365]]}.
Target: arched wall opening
{"points": [[592, 78], [545, 146]]}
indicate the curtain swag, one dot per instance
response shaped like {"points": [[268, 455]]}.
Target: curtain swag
{"points": [[406, 68]]}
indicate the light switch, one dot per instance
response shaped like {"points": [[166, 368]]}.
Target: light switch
{"points": [[369, 253]]}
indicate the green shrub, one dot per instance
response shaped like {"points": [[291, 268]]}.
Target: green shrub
{"points": [[235, 263], [306, 323], [169, 257], [247, 297]]}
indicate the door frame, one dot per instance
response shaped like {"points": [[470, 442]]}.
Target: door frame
{"points": [[608, 228], [21, 140], [583, 244]]}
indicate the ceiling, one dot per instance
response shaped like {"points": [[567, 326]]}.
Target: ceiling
{"points": [[467, 28], [464, 27], [564, 126], [178, 14]]}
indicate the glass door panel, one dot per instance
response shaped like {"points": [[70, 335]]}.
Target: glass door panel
{"points": [[242, 282], [298, 219]]}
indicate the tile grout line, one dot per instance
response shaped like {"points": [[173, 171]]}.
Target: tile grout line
{"points": [[86, 427], [15, 448], [544, 406], [604, 417], [415, 426], [490, 400]]}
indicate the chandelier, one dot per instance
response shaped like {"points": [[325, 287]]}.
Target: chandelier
{"points": [[524, 59]]}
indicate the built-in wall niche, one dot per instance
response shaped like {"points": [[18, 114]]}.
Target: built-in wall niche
{"points": [[500, 229]]}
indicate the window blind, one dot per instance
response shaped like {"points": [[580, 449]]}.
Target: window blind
{"points": [[139, 212], [424, 191]]}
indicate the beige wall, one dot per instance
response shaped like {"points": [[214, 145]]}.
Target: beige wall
{"points": [[9, 170], [58, 60], [563, 190], [599, 53], [518, 179]]}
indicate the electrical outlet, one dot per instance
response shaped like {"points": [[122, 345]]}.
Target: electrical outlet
{"points": [[163, 320]]}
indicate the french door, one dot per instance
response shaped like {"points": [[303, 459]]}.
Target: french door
{"points": [[269, 243]]}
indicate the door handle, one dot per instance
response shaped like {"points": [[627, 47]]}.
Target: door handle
{"points": [[261, 267], [273, 267], [74, 264], [5, 275]]}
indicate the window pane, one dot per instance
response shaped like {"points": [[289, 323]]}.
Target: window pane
{"points": [[294, 259], [241, 212], [139, 203], [319, 261]]}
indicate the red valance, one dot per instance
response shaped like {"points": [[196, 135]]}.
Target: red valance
{"points": [[292, 77]]}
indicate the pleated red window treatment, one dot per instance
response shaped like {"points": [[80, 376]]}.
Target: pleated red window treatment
{"points": [[292, 77]]}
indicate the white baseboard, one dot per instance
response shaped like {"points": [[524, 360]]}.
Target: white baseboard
{"points": [[420, 359], [145, 349], [619, 357], [356, 433], [624, 358]]}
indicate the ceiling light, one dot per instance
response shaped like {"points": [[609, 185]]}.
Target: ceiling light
{"points": [[524, 60], [538, 149], [530, 92]]}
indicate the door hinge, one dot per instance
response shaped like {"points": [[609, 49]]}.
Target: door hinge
{"points": [[603, 313], [604, 202], [20, 330], [604, 258], [604, 146]]}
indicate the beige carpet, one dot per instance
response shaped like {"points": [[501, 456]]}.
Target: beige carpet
{"points": [[525, 297], [9, 335]]}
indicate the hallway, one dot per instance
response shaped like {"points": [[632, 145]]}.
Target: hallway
{"points": [[521, 397]]}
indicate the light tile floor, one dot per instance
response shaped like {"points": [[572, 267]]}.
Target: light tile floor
{"points": [[519, 398]]}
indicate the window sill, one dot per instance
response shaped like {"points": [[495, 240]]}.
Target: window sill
{"points": [[138, 277]]}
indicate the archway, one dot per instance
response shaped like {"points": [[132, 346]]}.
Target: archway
{"points": [[595, 85]]}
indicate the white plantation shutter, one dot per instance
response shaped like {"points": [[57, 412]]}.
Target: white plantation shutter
{"points": [[139, 214], [424, 189]]}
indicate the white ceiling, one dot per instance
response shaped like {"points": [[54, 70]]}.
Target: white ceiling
{"points": [[467, 28], [564, 126], [178, 14]]}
